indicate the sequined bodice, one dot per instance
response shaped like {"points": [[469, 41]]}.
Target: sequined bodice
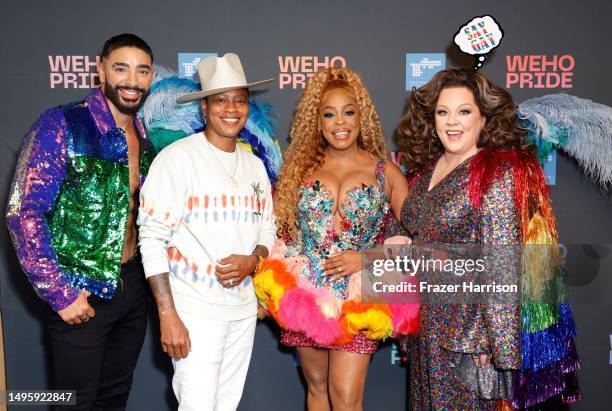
{"points": [[361, 222]]}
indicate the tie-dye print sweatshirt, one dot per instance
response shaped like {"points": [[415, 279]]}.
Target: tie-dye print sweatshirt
{"points": [[191, 215]]}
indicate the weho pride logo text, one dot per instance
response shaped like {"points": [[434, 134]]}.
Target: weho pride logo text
{"points": [[536, 71], [294, 71], [73, 71]]}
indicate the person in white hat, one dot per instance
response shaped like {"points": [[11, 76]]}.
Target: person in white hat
{"points": [[206, 222]]}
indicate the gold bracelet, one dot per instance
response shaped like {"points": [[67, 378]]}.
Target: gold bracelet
{"points": [[260, 260]]}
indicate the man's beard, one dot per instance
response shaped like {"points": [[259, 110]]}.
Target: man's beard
{"points": [[112, 93]]}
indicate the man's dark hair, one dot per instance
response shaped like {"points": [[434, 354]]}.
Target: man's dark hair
{"points": [[125, 40]]}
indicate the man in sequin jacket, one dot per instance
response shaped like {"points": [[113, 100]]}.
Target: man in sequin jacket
{"points": [[71, 217]]}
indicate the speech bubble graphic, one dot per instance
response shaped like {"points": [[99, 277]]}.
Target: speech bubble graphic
{"points": [[479, 37]]}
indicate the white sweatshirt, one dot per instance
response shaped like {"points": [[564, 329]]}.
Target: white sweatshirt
{"points": [[191, 215]]}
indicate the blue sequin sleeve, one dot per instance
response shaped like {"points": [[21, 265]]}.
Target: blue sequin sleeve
{"points": [[38, 178]]}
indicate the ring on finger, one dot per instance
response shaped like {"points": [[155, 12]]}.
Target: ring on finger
{"points": [[339, 269]]}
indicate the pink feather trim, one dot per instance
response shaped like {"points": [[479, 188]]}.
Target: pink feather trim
{"points": [[299, 312]]}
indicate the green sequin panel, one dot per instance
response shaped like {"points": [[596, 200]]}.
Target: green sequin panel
{"points": [[89, 221], [146, 159]]}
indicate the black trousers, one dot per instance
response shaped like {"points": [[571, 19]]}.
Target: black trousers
{"points": [[97, 358]]}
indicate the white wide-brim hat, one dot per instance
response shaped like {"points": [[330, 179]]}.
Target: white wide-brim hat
{"points": [[220, 74]]}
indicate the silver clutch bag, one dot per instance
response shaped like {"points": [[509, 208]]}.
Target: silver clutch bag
{"points": [[487, 382]]}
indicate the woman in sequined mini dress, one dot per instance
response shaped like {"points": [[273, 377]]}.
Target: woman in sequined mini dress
{"points": [[475, 181], [334, 193]]}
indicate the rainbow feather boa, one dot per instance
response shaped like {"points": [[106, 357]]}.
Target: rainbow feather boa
{"points": [[296, 305]]}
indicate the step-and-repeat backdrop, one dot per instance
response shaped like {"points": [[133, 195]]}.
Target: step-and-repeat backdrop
{"points": [[49, 51]]}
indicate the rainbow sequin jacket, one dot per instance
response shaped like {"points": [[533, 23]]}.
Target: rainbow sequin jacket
{"points": [[69, 202]]}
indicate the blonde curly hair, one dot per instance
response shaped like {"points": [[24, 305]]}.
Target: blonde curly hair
{"points": [[306, 151]]}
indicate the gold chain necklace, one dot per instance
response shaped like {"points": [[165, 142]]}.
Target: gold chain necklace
{"points": [[231, 176]]}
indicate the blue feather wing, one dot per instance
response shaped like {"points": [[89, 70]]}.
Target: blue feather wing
{"points": [[579, 127], [161, 111], [260, 134]]}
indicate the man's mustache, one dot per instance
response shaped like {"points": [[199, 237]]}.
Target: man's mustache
{"points": [[132, 88]]}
